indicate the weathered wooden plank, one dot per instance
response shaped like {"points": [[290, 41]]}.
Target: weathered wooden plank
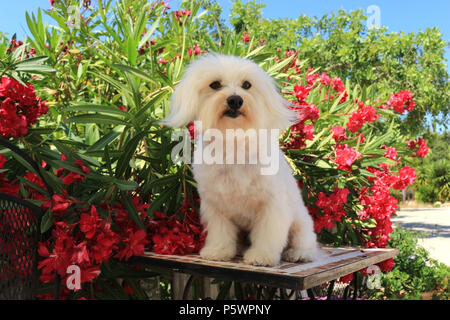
{"points": [[337, 263]]}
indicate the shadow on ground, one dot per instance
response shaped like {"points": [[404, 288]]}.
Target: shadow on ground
{"points": [[430, 230]]}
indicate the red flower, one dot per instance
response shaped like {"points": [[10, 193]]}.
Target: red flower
{"points": [[246, 38], [193, 134], [60, 258], [80, 164], [361, 137], [72, 177], [19, 108], [2, 161], [345, 156], [178, 14], [174, 242], [360, 116], [387, 265], [90, 273], [134, 244], [339, 134], [346, 279], [80, 253], [323, 221], [196, 50], [391, 152], [104, 242], [60, 204], [406, 176], [301, 93], [88, 223], [420, 145], [333, 208], [423, 148], [402, 101], [308, 112], [170, 236], [311, 77]]}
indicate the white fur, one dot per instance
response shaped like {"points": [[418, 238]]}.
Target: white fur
{"points": [[237, 197]]}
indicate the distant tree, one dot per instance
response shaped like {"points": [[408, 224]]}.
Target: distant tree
{"points": [[341, 44], [433, 172]]}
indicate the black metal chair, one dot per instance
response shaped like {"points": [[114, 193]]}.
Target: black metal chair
{"points": [[20, 222], [19, 235]]}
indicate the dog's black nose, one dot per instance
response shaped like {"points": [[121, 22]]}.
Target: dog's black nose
{"points": [[235, 102]]}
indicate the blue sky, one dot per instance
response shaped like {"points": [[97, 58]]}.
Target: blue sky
{"points": [[398, 15]]}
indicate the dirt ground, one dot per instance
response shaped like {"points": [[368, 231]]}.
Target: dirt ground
{"points": [[435, 222]]}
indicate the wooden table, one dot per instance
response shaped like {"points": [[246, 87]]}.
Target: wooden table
{"points": [[339, 262]]}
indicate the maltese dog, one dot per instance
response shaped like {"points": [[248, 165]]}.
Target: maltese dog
{"points": [[233, 97]]}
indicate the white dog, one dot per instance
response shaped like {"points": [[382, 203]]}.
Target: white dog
{"points": [[227, 92]]}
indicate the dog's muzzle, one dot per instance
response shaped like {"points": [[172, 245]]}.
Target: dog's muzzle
{"points": [[234, 103]]}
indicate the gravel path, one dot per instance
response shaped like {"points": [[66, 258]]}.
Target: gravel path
{"points": [[435, 223]]}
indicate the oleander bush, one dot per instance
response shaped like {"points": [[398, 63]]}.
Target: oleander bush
{"points": [[416, 275], [84, 98]]}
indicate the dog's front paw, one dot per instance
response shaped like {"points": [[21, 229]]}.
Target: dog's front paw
{"points": [[304, 255], [259, 258], [217, 253]]}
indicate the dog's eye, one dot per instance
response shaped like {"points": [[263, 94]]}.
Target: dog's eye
{"points": [[246, 85], [216, 85]]}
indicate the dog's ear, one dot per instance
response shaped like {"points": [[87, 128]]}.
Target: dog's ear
{"points": [[183, 106], [281, 116]]}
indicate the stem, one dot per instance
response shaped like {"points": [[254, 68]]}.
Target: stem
{"points": [[182, 49], [4, 71], [184, 182]]}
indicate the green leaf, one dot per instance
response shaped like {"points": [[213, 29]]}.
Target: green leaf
{"points": [[104, 141], [136, 72], [160, 200], [91, 107], [33, 65], [129, 150], [97, 118], [132, 50], [132, 211], [118, 85], [46, 221], [125, 185], [280, 65], [163, 180]]}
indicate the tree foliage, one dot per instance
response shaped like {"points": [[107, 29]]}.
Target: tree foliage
{"points": [[341, 44]]}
